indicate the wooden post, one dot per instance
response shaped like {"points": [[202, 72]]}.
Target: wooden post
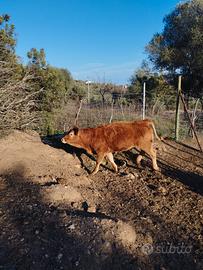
{"points": [[177, 124], [194, 117], [190, 120], [110, 120], [77, 113]]}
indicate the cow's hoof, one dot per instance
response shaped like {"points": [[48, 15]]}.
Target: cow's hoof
{"points": [[139, 166], [92, 173]]}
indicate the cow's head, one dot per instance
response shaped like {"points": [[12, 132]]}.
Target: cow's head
{"points": [[72, 137]]}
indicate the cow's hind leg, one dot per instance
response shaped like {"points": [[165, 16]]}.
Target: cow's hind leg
{"points": [[154, 162], [110, 158], [152, 153], [98, 162]]}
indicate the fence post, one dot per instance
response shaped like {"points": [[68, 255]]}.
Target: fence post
{"points": [[190, 120], [88, 92], [143, 105], [194, 117], [77, 113], [177, 119], [111, 112]]}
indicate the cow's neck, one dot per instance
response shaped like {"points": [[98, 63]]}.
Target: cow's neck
{"points": [[87, 136]]}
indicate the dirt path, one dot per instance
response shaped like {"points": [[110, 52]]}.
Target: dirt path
{"points": [[54, 216]]}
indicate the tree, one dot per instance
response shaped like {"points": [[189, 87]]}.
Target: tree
{"points": [[104, 89], [118, 92], [77, 91], [56, 84], [37, 58], [19, 107], [141, 75], [179, 48], [17, 98], [7, 40], [32, 95], [158, 92]]}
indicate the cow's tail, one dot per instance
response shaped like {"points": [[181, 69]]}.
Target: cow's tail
{"points": [[155, 133], [162, 146]]}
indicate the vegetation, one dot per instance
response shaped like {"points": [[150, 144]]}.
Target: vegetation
{"points": [[42, 97], [32, 95], [18, 104], [179, 48], [160, 94]]}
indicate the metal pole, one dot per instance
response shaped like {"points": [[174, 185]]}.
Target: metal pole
{"points": [[177, 120], [143, 105], [88, 92]]}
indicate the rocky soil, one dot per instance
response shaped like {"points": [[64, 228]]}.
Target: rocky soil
{"points": [[53, 215]]}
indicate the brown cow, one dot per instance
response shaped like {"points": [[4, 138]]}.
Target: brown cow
{"points": [[115, 137]]}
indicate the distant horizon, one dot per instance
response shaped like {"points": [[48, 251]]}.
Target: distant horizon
{"points": [[101, 41]]}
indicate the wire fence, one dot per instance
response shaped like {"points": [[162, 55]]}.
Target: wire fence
{"points": [[97, 113]]}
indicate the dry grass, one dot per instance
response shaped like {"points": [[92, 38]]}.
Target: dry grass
{"points": [[95, 114]]}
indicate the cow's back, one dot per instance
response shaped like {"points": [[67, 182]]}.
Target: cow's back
{"points": [[120, 136]]}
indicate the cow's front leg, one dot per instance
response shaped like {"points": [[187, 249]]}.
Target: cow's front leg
{"points": [[100, 157], [139, 158]]}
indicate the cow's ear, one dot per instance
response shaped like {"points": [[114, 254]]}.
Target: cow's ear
{"points": [[75, 129]]}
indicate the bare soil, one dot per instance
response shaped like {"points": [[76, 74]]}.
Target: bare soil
{"points": [[53, 215]]}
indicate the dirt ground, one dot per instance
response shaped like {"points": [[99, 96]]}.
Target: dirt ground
{"points": [[53, 215]]}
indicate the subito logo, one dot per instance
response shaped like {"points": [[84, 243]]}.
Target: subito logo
{"points": [[147, 249]]}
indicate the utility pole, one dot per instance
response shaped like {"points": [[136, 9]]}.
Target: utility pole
{"points": [[88, 91], [143, 105]]}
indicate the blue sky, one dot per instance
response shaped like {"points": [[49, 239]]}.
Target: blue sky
{"points": [[99, 40]]}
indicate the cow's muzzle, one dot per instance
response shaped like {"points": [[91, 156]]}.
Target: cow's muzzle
{"points": [[63, 140]]}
